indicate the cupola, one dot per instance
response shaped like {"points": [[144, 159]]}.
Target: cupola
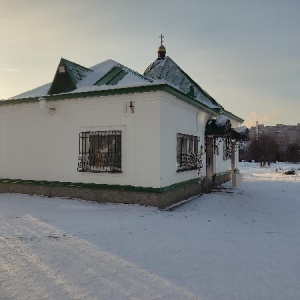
{"points": [[161, 51]]}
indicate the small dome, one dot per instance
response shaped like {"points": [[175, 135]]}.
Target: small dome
{"points": [[161, 51], [161, 48]]}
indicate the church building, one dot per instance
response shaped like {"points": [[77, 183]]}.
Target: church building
{"points": [[110, 134]]}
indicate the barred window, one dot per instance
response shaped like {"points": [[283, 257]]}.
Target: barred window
{"points": [[100, 151], [187, 152]]}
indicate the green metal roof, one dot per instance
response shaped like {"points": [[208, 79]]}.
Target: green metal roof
{"points": [[166, 69], [112, 77], [175, 81]]}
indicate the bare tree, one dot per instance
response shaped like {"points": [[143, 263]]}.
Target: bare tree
{"points": [[264, 150], [293, 152]]}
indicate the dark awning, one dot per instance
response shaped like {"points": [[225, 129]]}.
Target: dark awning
{"points": [[221, 127], [240, 134]]}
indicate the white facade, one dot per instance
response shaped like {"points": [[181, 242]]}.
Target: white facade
{"points": [[39, 146], [36, 146], [178, 117]]}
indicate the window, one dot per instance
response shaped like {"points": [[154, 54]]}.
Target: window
{"points": [[100, 151], [187, 152]]}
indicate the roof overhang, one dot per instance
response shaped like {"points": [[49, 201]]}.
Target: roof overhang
{"points": [[240, 134], [164, 87], [218, 128]]}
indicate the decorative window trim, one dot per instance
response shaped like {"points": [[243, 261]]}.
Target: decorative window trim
{"points": [[188, 156], [100, 151], [226, 149]]}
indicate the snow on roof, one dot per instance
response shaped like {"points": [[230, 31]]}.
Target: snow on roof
{"points": [[131, 78], [109, 87], [37, 92], [110, 74], [87, 82], [221, 120], [99, 71]]}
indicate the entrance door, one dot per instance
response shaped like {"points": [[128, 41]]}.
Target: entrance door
{"points": [[209, 158]]}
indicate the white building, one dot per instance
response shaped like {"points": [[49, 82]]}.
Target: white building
{"points": [[110, 134]]}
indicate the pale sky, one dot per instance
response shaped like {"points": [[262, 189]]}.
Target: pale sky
{"points": [[245, 54]]}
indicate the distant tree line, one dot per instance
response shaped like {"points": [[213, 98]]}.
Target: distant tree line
{"points": [[293, 152], [266, 150]]}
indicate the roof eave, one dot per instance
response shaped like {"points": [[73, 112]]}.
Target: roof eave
{"points": [[126, 90], [231, 115]]}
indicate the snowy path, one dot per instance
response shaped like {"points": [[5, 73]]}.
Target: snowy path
{"points": [[40, 262], [239, 246]]}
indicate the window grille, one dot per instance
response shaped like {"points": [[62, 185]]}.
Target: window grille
{"points": [[187, 152], [100, 151], [226, 149]]}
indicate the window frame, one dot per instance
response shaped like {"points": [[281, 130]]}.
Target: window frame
{"points": [[187, 152]]}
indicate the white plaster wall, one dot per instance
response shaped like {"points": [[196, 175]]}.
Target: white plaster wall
{"points": [[146, 158], [178, 117], [221, 164], [43, 147]]}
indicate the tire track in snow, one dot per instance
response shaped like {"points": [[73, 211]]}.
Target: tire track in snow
{"points": [[17, 278], [126, 274], [23, 258], [113, 269], [31, 277], [75, 268]]}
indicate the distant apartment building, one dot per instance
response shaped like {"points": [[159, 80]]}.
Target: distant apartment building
{"points": [[284, 135]]}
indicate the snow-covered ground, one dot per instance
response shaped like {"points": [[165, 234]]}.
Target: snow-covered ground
{"points": [[224, 245]]}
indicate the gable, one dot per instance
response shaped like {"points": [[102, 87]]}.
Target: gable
{"points": [[67, 75]]}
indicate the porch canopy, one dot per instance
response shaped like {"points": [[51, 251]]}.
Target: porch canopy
{"points": [[220, 127], [240, 134]]}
